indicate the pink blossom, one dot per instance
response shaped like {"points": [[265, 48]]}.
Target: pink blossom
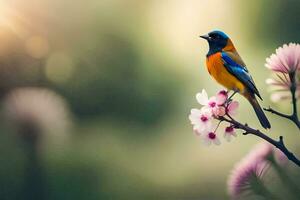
{"points": [[283, 95], [286, 59], [279, 96], [265, 151], [220, 111], [281, 82], [210, 137], [212, 108], [202, 98], [229, 133], [281, 87], [245, 176], [222, 97], [214, 103], [197, 133], [232, 108], [252, 167], [286, 65], [261, 151], [280, 157], [201, 119]]}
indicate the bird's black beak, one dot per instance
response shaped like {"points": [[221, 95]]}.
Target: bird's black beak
{"points": [[206, 37]]}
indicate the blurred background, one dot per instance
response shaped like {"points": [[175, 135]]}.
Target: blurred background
{"points": [[120, 78]]}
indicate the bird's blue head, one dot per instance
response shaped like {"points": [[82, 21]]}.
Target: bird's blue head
{"points": [[217, 41]]}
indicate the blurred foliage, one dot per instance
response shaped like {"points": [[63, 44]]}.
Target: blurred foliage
{"points": [[111, 82], [280, 16]]}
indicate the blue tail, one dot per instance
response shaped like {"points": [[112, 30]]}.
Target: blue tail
{"points": [[259, 112]]}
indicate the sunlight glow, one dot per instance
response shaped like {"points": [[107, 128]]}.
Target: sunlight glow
{"points": [[12, 20], [37, 46]]}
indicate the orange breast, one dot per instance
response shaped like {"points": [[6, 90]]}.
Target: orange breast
{"points": [[218, 71]]}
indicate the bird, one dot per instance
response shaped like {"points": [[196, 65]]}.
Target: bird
{"points": [[225, 65]]}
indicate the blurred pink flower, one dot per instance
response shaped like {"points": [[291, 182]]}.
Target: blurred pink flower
{"points": [[200, 119], [280, 96], [252, 167], [229, 133], [261, 151], [280, 86], [282, 82], [44, 111], [210, 137], [286, 64], [286, 59], [265, 151], [283, 95], [280, 157], [245, 176]]}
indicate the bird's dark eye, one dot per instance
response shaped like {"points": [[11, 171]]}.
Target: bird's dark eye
{"points": [[214, 37]]}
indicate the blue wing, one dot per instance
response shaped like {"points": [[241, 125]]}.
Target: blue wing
{"points": [[240, 72]]}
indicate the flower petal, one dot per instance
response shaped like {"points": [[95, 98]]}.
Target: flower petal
{"points": [[221, 111], [206, 141], [279, 96], [221, 97], [229, 133], [232, 108], [285, 60], [227, 137], [203, 127], [206, 111], [196, 111], [197, 133], [216, 141], [202, 98]]}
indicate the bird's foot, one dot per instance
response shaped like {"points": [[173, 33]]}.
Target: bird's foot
{"points": [[229, 99]]}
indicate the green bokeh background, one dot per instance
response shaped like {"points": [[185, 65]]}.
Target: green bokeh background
{"points": [[134, 68]]}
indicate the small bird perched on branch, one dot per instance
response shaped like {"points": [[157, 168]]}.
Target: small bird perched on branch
{"points": [[226, 66]]}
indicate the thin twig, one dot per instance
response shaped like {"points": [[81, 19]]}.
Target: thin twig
{"points": [[293, 117], [277, 143], [271, 110], [217, 126]]}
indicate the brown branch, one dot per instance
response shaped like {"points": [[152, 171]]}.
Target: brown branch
{"points": [[277, 143], [293, 117]]}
